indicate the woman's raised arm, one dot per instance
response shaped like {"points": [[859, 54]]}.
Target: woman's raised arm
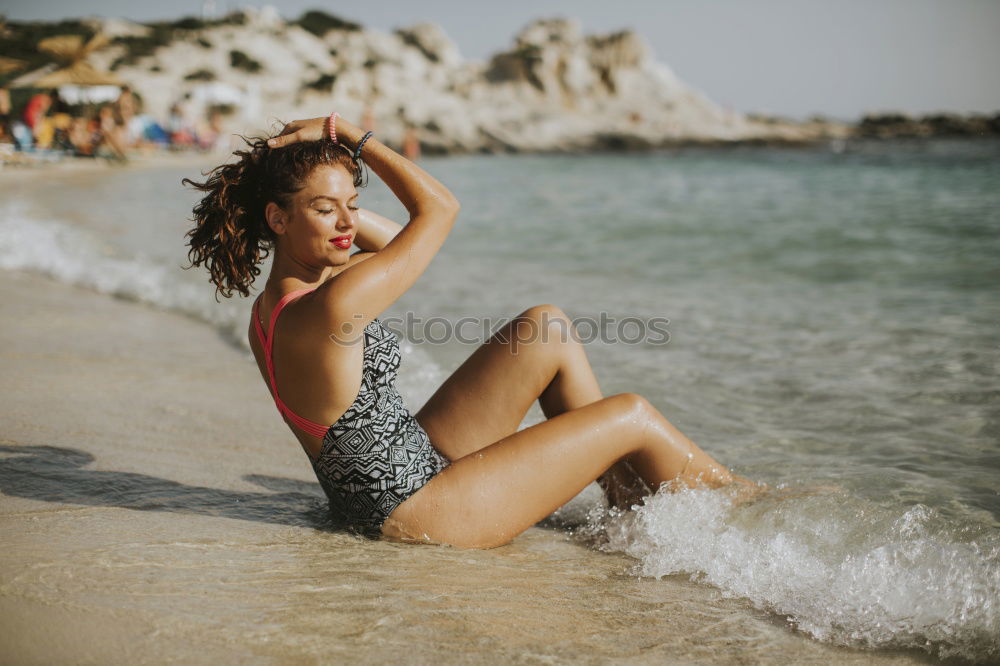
{"points": [[365, 291], [375, 231]]}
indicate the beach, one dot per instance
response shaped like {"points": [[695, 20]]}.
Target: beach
{"points": [[832, 322], [156, 511]]}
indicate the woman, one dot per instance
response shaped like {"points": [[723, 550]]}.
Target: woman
{"points": [[111, 141], [458, 472]]}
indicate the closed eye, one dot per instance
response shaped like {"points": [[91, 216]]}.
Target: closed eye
{"points": [[327, 211]]}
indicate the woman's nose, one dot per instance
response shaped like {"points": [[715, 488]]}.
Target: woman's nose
{"points": [[345, 221]]}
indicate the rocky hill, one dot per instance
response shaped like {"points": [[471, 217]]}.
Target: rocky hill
{"points": [[555, 89]]}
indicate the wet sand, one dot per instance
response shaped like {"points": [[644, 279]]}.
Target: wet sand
{"points": [[156, 510]]}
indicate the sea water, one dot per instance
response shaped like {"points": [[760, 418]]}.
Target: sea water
{"points": [[832, 330]]}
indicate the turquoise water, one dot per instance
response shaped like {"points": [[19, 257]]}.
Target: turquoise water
{"points": [[833, 319], [831, 315]]}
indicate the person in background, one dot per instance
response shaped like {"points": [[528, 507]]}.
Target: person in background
{"points": [[179, 127], [125, 111], [205, 134], [368, 118], [411, 143], [82, 137], [6, 133], [61, 118], [216, 126], [112, 135], [61, 124], [36, 109], [35, 117]]}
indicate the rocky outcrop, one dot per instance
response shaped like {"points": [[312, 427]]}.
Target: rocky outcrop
{"points": [[898, 125], [431, 41], [555, 89]]}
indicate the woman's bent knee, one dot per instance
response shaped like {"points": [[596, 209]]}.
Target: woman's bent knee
{"points": [[632, 405], [550, 322], [544, 312]]}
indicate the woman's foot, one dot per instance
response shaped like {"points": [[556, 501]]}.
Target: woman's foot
{"points": [[744, 490]]}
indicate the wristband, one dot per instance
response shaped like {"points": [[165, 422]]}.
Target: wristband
{"points": [[333, 126], [357, 151]]}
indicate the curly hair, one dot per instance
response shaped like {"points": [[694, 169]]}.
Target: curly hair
{"points": [[231, 235]]}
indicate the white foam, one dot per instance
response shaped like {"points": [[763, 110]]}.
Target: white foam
{"points": [[842, 569], [75, 257]]}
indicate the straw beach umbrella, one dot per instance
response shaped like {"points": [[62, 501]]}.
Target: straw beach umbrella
{"points": [[8, 65], [78, 74], [72, 50]]}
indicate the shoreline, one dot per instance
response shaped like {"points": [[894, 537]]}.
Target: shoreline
{"points": [[32, 162], [193, 159]]}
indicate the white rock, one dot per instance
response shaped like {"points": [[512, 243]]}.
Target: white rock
{"points": [[555, 89]]}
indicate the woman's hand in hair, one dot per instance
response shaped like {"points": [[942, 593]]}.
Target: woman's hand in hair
{"points": [[313, 129]]}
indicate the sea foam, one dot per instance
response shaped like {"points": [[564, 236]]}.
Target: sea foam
{"points": [[842, 569], [75, 256]]}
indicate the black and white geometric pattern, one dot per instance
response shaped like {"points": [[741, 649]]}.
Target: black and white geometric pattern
{"points": [[376, 454]]}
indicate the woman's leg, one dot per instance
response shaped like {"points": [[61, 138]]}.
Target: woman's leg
{"points": [[487, 498], [533, 357]]}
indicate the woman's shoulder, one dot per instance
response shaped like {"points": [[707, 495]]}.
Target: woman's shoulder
{"points": [[326, 295]]}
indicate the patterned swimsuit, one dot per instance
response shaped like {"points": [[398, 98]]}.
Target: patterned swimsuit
{"points": [[376, 454]]}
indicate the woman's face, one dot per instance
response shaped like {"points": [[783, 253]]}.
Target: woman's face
{"points": [[320, 222]]}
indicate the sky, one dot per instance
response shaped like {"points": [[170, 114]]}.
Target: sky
{"points": [[839, 58]]}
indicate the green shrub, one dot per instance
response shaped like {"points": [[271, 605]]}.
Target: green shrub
{"points": [[140, 47], [195, 23], [323, 84], [240, 60], [200, 75], [162, 33], [224, 109], [410, 40], [319, 23]]}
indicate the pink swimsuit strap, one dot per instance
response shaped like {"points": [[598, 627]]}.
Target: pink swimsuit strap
{"points": [[311, 427]]}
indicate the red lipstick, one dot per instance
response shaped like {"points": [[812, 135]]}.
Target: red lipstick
{"points": [[343, 242]]}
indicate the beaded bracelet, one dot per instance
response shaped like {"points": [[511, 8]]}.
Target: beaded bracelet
{"points": [[333, 126], [357, 151]]}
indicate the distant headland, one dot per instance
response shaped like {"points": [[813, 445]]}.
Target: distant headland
{"points": [[555, 89]]}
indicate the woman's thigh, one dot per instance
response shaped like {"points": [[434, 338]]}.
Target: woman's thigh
{"points": [[487, 397], [488, 498]]}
